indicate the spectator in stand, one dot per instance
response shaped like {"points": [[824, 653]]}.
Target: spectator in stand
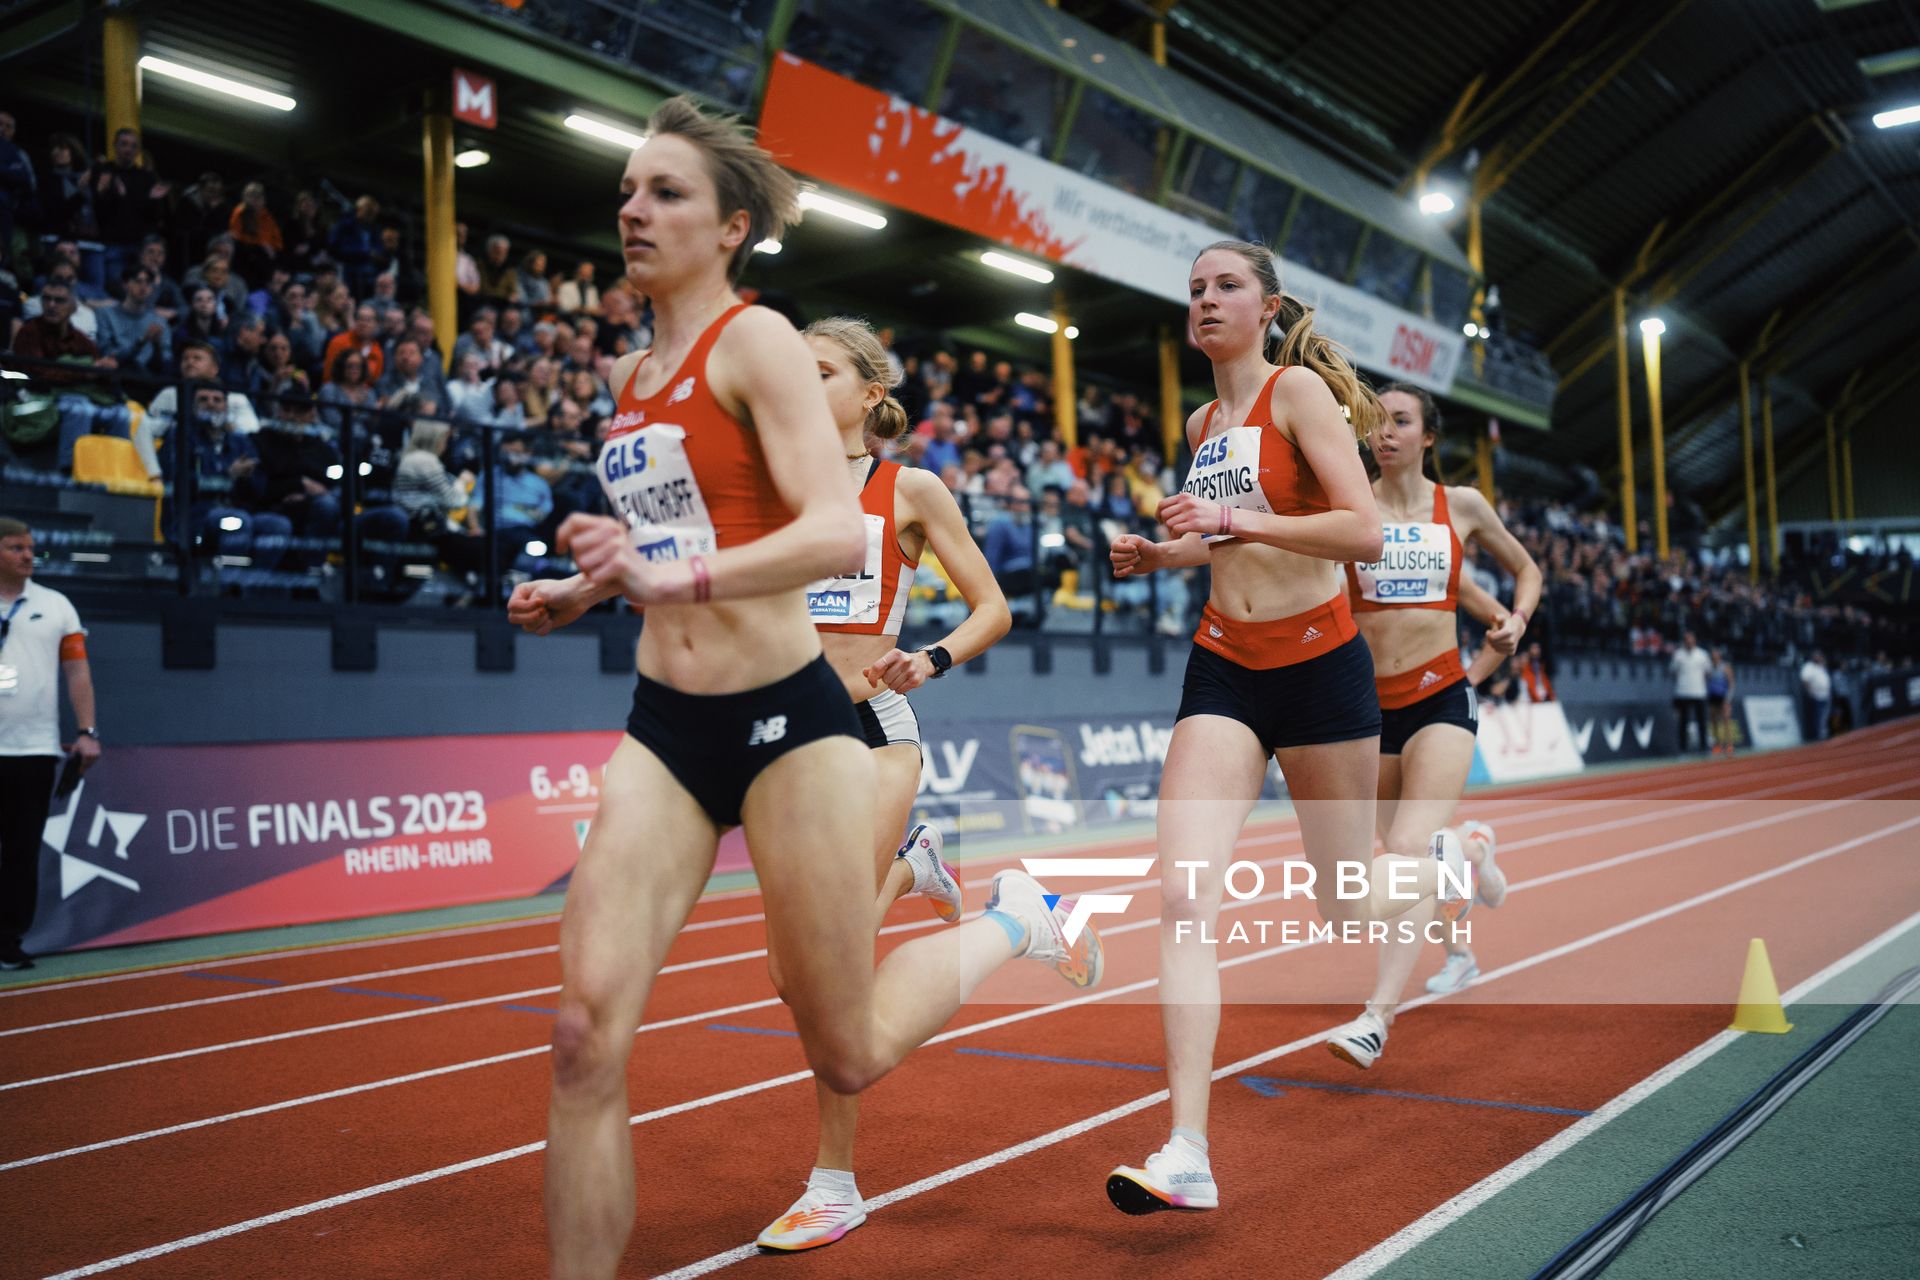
{"points": [[18, 185], [265, 301], [622, 332], [133, 333], [66, 195], [229, 511], [1116, 501], [431, 495], [410, 385], [503, 407], [258, 245], [352, 244], [525, 498], [1049, 469], [127, 200], [84, 318], [385, 301], [1726, 736], [585, 389], [201, 214], [1530, 669], [299, 469], [513, 329], [466, 272], [541, 390], [1009, 547], [468, 397], [481, 339], [942, 448], [333, 306], [153, 434], [167, 298], [347, 388], [580, 293], [534, 291], [51, 336], [499, 279], [1816, 686], [273, 375], [305, 234], [1689, 666], [364, 338], [246, 338], [303, 329], [216, 273]]}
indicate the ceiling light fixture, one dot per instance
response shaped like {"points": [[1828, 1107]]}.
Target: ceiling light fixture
{"points": [[218, 84], [1016, 266]]}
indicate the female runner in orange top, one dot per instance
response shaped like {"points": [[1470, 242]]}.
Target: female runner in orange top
{"points": [[721, 463], [859, 615]]}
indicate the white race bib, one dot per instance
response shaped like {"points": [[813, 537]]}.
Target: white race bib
{"points": [[1412, 569], [1226, 470], [649, 480], [853, 597]]}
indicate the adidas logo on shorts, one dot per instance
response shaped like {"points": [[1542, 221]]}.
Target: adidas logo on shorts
{"points": [[1430, 678], [772, 729], [1313, 633]]}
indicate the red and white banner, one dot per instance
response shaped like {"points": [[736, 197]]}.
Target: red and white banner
{"points": [[887, 148], [1522, 741]]}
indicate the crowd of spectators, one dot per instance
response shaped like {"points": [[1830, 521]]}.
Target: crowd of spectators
{"points": [[301, 319]]}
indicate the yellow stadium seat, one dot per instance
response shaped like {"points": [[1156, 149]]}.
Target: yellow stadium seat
{"points": [[1068, 596], [113, 463]]}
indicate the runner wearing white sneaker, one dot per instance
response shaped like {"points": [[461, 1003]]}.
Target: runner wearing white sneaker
{"points": [[1407, 606], [1177, 1176], [907, 511], [1276, 499]]}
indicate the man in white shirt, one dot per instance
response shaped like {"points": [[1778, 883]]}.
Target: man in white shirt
{"points": [[1689, 665], [198, 363], [40, 639], [1817, 682]]}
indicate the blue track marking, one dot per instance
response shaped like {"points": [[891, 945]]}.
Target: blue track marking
{"points": [[530, 1008], [1273, 1087], [389, 995], [1064, 1062], [234, 977], [750, 1031]]}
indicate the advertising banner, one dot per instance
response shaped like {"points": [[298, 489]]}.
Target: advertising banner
{"points": [[1773, 720], [1523, 741], [1608, 731], [912, 159]]}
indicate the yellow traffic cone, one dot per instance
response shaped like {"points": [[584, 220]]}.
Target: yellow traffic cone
{"points": [[1759, 1008]]}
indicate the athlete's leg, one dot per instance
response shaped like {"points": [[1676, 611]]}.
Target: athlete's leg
{"points": [[1211, 779], [647, 856], [1433, 770]]}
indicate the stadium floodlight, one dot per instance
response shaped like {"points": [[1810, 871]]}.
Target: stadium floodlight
{"points": [[218, 84], [1434, 203], [853, 213], [1653, 326], [471, 158], [626, 139], [767, 246], [1894, 119], [1044, 324], [1016, 267], [1892, 63]]}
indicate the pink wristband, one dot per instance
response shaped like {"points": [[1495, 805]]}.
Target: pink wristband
{"points": [[702, 579], [1226, 520]]}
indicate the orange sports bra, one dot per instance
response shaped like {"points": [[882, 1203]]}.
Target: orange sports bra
{"points": [[686, 476], [1253, 467], [872, 602], [1419, 565]]}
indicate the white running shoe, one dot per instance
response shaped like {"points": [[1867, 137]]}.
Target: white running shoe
{"points": [[1019, 895], [933, 879], [1455, 975], [1361, 1041], [1446, 850], [1177, 1176], [1490, 884], [819, 1217]]}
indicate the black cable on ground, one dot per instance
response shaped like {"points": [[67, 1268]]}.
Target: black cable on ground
{"points": [[1597, 1247]]}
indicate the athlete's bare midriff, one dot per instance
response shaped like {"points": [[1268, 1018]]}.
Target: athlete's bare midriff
{"points": [[1402, 639], [852, 654], [1253, 582], [727, 646]]}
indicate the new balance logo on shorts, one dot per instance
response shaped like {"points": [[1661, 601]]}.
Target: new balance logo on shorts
{"points": [[772, 729], [1087, 904], [1313, 633]]}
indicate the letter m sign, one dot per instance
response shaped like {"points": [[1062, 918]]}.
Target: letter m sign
{"points": [[475, 100]]}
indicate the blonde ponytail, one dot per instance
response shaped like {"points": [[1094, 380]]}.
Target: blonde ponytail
{"points": [[888, 419]]}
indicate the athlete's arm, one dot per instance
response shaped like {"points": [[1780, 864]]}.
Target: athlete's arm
{"points": [[761, 372], [1350, 531], [927, 502], [1133, 555], [1482, 523]]}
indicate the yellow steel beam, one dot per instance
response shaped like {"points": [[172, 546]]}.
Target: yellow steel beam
{"points": [[1623, 400], [1773, 487], [120, 81], [1173, 423], [1066, 415], [1650, 345], [436, 148]]}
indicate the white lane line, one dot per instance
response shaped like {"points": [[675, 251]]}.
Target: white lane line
{"points": [[1001, 1157]]}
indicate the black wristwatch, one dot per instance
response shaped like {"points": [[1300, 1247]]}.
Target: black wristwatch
{"points": [[942, 660], [87, 733]]}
